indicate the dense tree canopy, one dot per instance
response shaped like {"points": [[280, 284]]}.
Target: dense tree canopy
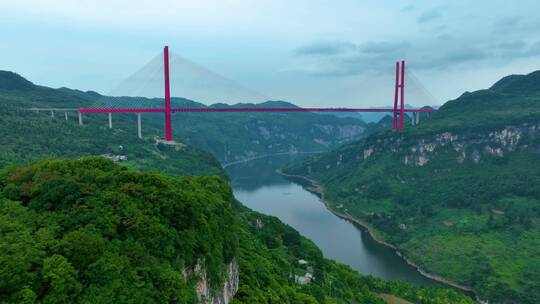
{"points": [[91, 231]]}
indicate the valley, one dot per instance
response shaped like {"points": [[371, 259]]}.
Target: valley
{"points": [[270, 152], [261, 188], [457, 195]]}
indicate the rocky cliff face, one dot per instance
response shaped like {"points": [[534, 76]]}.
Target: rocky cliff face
{"points": [[462, 146], [208, 295], [275, 140], [341, 132]]}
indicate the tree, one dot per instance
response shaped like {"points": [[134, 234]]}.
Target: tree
{"points": [[61, 281]]}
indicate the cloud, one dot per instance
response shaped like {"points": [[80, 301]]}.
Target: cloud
{"points": [[429, 16], [445, 37], [347, 58], [448, 58], [482, 52], [435, 52], [465, 54], [384, 47], [511, 45], [408, 8], [534, 50], [325, 48], [520, 49], [514, 49], [332, 49], [507, 24]]}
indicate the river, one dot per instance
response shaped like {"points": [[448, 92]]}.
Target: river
{"points": [[256, 184]]}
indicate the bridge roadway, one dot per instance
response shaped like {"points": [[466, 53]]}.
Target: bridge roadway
{"points": [[138, 111], [232, 109]]}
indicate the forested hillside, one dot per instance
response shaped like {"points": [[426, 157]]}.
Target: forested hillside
{"points": [[458, 194], [91, 231]]}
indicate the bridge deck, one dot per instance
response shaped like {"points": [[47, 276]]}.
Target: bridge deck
{"points": [[162, 110]]}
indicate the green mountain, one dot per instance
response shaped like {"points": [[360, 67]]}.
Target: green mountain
{"points": [[91, 231], [10, 81], [87, 230], [459, 194], [520, 85]]}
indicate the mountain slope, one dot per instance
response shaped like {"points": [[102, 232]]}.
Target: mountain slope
{"points": [[459, 194], [88, 230], [91, 231]]}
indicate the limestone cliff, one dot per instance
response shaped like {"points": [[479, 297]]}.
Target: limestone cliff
{"points": [[208, 295], [463, 146]]}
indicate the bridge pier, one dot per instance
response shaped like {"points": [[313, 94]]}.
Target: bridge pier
{"points": [[80, 119], [110, 120], [139, 131], [52, 114], [65, 116]]}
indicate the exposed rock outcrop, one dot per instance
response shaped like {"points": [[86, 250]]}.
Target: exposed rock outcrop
{"points": [[465, 146], [347, 132], [205, 293]]}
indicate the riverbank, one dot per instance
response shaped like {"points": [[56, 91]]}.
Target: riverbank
{"points": [[318, 189]]}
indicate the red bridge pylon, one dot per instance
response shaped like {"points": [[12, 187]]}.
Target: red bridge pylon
{"points": [[399, 96], [168, 124]]}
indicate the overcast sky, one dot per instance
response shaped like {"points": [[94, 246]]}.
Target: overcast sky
{"points": [[313, 53]]}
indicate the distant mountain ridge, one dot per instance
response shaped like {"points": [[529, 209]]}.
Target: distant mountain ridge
{"points": [[14, 81], [522, 85], [228, 136]]}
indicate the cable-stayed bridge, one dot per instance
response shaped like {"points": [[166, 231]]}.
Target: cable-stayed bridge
{"points": [[200, 75]]}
